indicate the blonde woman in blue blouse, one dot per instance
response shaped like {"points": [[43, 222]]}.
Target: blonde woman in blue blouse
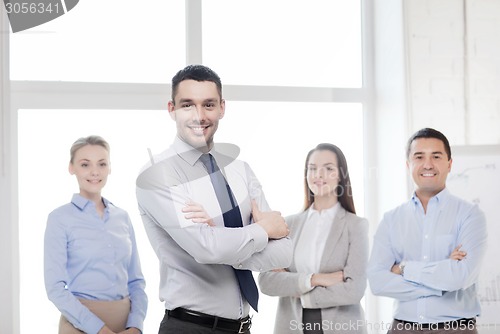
{"points": [[321, 290], [92, 268]]}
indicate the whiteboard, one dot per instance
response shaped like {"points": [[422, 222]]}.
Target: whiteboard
{"points": [[475, 176]]}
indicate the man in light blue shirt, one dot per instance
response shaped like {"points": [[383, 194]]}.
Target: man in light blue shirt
{"points": [[427, 252]]}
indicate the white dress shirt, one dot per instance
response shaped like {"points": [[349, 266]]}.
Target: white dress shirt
{"points": [[196, 260]]}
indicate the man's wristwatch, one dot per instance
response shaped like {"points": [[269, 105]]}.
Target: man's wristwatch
{"points": [[402, 265]]}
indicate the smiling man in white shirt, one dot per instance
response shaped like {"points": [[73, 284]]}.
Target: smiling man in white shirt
{"points": [[201, 210]]}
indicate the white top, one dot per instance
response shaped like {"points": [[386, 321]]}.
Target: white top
{"points": [[312, 241]]}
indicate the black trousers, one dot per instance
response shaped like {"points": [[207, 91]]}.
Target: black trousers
{"points": [[171, 325], [311, 319]]}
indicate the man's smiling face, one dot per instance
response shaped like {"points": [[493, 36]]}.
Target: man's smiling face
{"points": [[197, 110], [429, 166]]}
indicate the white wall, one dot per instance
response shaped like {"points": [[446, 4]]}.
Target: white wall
{"points": [[454, 68]]}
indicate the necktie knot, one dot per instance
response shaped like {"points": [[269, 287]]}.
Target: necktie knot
{"points": [[209, 162]]}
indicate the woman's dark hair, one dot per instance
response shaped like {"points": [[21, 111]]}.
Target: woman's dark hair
{"points": [[344, 189]]}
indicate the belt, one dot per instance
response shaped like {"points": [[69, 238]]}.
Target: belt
{"points": [[460, 324], [229, 325]]}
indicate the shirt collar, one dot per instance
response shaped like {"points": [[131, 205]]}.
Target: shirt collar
{"points": [[186, 151], [327, 214], [81, 202], [439, 197], [223, 153]]}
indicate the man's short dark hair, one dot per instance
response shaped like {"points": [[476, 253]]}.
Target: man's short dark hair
{"points": [[429, 133], [198, 73]]}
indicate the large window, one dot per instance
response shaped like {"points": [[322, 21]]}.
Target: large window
{"points": [[313, 43], [104, 41], [292, 75], [276, 155]]}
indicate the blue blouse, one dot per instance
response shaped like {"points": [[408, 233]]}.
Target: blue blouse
{"points": [[92, 257]]}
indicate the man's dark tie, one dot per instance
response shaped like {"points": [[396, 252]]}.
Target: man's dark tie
{"points": [[232, 218]]}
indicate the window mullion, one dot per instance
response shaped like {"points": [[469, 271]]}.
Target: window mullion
{"points": [[194, 42]]}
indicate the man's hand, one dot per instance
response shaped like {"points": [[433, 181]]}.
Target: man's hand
{"points": [[457, 254], [197, 213], [396, 269], [327, 279], [272, 222]]}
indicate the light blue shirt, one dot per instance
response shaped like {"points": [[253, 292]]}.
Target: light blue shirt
{"points": [[434, 288], [93, 258]]}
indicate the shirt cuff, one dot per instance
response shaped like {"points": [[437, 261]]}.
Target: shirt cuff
{"points": [[259, 236], [135, 321], [304, 281], [304, 287], [307, 284]]}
